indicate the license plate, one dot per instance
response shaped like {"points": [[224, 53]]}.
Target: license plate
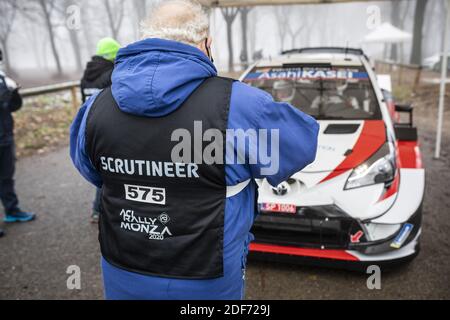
{"points": [[279, 207]]}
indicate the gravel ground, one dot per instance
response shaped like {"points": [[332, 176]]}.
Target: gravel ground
{"points": [[34, 257]]}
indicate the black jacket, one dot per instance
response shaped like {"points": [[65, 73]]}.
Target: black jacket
{"points": [[10, 101], [97, 75]]}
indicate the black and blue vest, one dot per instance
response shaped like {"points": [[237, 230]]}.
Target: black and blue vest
{"points": [[160, 217]]}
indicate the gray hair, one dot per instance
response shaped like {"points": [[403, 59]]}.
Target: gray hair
{"points": [[179, 20]]}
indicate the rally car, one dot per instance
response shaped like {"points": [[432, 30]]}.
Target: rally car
{"points": [[360, 202]]}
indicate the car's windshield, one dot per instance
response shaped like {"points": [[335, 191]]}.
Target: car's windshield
{"points": [[322, 92]]}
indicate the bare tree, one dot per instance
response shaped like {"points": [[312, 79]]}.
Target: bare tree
{"points": [[140, 12], [281, 23], [436, 10], [419, 17], [399, 11], [286, 26], [140, 7], [115, 13], [88, 27], [309, 20], [253, 21], [229, 14], [294, 33], [47, 10], [395, 17], [244, 25], [73, 33], [8, 11]]}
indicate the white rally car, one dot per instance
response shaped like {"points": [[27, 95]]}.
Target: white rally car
{"points": [[359, 202]]}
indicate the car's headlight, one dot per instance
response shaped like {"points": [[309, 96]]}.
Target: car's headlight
{"points": [[380, 168]]}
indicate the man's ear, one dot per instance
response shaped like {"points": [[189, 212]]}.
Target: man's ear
{"points": [[203, 46], [209, 41]]}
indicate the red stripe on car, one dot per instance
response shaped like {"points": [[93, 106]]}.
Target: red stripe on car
{"points": [[393, 189], [372, 137], [410, 157], [304, 252]]}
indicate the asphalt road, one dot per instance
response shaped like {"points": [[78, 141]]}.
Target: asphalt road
{"points": [[34, 257]]}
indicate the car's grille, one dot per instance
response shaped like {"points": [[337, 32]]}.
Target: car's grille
{"points": [[324, 226]]}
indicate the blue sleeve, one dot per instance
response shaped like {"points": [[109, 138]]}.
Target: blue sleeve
{"points": [[78, 145], [291, 141], [297, 139]]}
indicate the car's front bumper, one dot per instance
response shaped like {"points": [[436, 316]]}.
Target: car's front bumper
{"points": [[322, 235]]}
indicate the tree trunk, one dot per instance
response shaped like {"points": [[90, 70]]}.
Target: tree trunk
{"points": [[244, 20], [419, 15], [89, 43], [8, 14], [229, 15], [281, 26], [33, 37], [395, 20], [73, 34], [4, 43], [293, 37], [141, 9], [51, 35], [230, 47], [252, 35], [110, 19], [76, 49]]}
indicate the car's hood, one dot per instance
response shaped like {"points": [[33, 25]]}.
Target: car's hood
{"points": [[344, 145]]}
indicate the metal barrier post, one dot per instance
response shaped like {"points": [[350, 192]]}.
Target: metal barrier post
{"points": [[75, 103], [400, 74]]}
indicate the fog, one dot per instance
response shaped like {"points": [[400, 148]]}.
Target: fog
{"points": [[78, 24]]}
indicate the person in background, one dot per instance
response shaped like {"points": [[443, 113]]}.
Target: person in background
{"points": [[96, 77], [10, 101]]}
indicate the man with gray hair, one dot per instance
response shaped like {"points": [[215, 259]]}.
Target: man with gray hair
{"points": [[171, 228]]}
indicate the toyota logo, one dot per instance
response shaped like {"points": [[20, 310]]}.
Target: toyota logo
{"points": [[281, 189]]}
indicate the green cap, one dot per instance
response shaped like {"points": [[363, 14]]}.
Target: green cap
{"points": [[108, 48]]}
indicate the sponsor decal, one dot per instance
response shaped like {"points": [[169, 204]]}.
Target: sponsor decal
{"points": [[306, 73], [354, 238], [402, 236], [155, 228], [326, 147]]}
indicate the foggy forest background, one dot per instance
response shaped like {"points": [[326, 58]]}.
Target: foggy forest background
{"points": [[41, 38]]}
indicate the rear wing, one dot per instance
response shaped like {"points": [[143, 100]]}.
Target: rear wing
{"points": [[344, 50]]}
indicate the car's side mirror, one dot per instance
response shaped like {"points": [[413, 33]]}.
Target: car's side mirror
{"points": [[405, 131], [405, 108]]}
